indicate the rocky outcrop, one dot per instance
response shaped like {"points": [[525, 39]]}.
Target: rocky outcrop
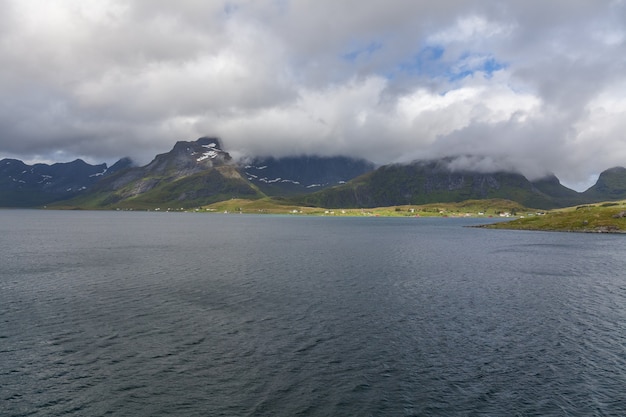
{"points": [[188, 158]]}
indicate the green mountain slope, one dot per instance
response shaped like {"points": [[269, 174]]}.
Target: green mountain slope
{"points": [[611, 185], [190, 175], [431, 181]]}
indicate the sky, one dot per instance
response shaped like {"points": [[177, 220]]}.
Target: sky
{"points": [[533, 86]]}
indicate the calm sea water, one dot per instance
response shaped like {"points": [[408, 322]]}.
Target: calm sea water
{"points": [[154, 314]]}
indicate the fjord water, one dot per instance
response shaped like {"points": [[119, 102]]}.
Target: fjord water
{"points": [[153, 314]]}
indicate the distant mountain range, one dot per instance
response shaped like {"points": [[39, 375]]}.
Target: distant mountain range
{"points": [[201, 172], [24, 185]]}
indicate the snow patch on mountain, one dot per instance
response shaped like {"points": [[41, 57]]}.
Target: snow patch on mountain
{"points": [[212, 152], [99, 174], [207, 155]]}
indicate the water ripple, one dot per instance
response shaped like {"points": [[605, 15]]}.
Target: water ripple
{"points": [[267, 316]]}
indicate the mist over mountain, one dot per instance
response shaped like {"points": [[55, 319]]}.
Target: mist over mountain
{"points": [[442, 180], [434, 181], [201, 172], [195, 173]]}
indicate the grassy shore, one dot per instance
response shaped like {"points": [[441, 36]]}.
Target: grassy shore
{"points": [[470, 208], [609, 217]]}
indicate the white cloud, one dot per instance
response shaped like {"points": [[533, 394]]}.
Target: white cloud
{"points": [[536, 85], [604, 119], [472, 28]]}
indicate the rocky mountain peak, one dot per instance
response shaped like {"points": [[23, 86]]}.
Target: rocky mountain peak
{"points": [[123, 163], [188, 157], [209, 141]]}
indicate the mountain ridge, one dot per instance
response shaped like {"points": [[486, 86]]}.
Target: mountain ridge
{"points": [[611, 183], [430, 181], [192, 173], [424, 182], [302, 174], [23, 185], [201, 172]]}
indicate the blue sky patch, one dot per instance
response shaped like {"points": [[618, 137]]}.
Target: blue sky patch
{"points": [[431, 62], [425, 62], [469, 64], [365, 51]]}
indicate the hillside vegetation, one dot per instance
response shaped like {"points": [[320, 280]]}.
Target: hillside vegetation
{"points": [[609, 217], [428, 182]]}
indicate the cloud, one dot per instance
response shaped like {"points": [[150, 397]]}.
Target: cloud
{"points": [[538, 87], [472, 28]]}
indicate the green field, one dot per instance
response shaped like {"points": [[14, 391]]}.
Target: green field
{"points": [[470, 208], [609, 217]]}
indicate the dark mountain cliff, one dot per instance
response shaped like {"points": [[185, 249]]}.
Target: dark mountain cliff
{"points": [[303, 174], [188, 158]]}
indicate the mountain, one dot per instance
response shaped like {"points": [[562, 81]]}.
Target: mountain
{"points": [[611, 185], [302, 174], [424, 182], [561, 195], [201, 172], [191, 174], [23, 185]]}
